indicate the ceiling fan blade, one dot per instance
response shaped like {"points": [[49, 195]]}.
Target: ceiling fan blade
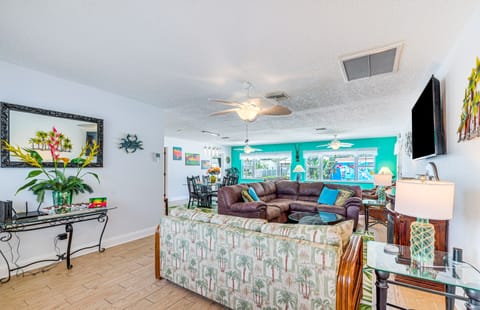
{"points": [[323, 145], [223, 112], [276, 110], [226, 102], [346, 144]]}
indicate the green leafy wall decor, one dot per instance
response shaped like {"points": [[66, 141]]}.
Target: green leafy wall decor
{"points": [[469, 127]]}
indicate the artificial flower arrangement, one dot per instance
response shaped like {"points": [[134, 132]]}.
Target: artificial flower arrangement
{"points": [[46, 179], [213, 170]]}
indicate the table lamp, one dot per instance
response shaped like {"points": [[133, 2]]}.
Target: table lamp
{"points": [[382, 179], [425, 200], [298, 169]]}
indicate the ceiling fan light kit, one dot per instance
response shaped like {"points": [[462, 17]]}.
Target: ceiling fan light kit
{"points": [[249, 109], [336, 144]]}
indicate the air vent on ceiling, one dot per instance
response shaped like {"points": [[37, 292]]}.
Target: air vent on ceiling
{"points": [[277, 95], [372, 62]]}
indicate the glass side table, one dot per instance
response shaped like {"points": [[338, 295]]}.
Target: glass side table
{"points": [[372, 203], [444, 271]]}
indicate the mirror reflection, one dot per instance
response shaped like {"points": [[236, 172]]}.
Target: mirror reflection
{"points": [[31, 128]]}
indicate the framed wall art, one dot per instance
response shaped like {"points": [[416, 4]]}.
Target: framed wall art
{"points": [[177, 153], [205, 164], [192, 159]]}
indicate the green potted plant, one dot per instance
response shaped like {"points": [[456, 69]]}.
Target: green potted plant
{"points": [[45, 179]]}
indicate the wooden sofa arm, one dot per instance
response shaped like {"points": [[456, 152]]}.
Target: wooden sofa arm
{"points": [[349, 279], [157, 252]]}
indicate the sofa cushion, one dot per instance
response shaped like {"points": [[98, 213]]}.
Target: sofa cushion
{"points": [[239, 222], [343, 195], [253, 194], [273, 212], [228, 195], [287, 189], [188, 214], [283, 204], [337, 234], [258, 187], [309, 191], [328, 196], [269, 191], [306, 206]]}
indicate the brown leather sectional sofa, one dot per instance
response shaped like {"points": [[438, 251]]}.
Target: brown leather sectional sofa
{"points": [[279, 199]]}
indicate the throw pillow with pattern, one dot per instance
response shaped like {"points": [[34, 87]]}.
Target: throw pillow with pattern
{"points": [[246, 196], [343, 195]]}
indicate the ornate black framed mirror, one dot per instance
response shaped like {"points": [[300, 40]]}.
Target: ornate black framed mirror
{"points": [[26, 127]]}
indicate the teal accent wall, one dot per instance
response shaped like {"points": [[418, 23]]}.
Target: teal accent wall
{"points": [[384, 145]]}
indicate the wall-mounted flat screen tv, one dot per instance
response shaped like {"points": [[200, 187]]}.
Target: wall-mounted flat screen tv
{"points": [[428, 137]]}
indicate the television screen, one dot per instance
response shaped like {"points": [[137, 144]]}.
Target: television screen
{"points": [[427, 123]]}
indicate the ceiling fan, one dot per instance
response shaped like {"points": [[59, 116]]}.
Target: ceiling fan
{"points": [[252, 107], [335, 144], [247, 149]]}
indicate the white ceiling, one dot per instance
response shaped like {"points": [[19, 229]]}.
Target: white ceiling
{"points": [[177, 54]]}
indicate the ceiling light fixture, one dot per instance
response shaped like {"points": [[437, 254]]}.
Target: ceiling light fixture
{"points": [[211, 133], [212, 151]]}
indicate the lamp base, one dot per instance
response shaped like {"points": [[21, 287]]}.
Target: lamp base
{"points": [[381, 197], [298, 177], [422, 243]]}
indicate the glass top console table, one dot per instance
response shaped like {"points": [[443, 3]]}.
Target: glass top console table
{"points": [[52, 220], [445, 271]]}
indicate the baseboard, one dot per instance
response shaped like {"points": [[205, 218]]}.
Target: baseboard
{"points": [[139, 234], [106, 243], [174, 200]]}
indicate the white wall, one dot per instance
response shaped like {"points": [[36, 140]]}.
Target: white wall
{"points": [[461, 164], [131, 182], [177, 172]]}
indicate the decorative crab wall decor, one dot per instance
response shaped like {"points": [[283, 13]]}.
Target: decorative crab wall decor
{"points": [[131, 143]]}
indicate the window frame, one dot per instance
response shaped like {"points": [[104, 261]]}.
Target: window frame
{"points": [[283, 165], [356, 153]]}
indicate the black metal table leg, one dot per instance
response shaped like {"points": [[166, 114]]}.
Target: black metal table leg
{"points": [[382, 289], [7, 278], [450, 302], [366, 217], [473, 299], [69, 231], [105, 220], [5, 237]]}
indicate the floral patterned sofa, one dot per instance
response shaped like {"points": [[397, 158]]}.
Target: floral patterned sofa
{"points": [[245, 263]]}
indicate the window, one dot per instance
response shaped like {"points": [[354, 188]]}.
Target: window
{"points": [[352, 165], [266, 165]]}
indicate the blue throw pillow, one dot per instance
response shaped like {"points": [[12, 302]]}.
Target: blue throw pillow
{"points": [[328, 196], [252, 193]]}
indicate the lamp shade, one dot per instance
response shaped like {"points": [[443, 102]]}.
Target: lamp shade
{"points": [[431, 200], [385, 170], [298, 168], [382, 179]]}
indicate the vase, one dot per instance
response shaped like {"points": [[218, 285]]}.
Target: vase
{"points": [[61, 198], [213, 179]]}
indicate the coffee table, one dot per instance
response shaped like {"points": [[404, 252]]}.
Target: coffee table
{"points": [[327, 218]]}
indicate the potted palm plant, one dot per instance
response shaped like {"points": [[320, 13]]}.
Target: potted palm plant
{"points": [[42, 179]]}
